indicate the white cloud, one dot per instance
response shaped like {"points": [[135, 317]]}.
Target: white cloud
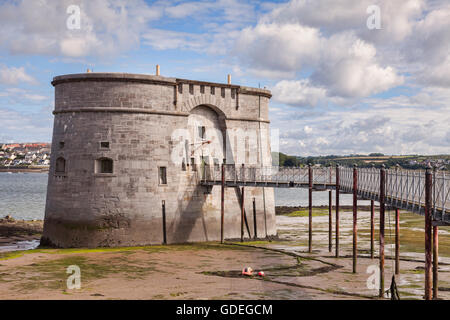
{"points": [[343, 63], [166, 40], [397, 17], [278, 47], [13, 76], [21, 96], [298, 93], [29, 126], [397, 125], [188, 9], [349, 68], [108, 27], [307, 129]]}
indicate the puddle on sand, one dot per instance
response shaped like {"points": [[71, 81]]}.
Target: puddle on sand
{"points": [[20, 245]]}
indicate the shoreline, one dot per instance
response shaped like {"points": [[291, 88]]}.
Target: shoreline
{"points": [[19, 234], [13, 231], [20, 170], [285, 210]]}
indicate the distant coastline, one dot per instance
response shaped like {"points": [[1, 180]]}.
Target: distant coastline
{"points": [[24, 169]]}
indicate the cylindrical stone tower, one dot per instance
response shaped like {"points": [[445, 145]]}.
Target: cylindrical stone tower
{"points": [[124, 143]]}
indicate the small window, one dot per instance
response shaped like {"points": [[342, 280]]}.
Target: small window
{"points": [[202, 132], [213, 90], [193, 166], [60, 165], [183, 165], [162, 175], [202, 89], [222, 92], [191, 89], [104, 165], [233, 93], [61, 144], [180, 88], [104, 145]]}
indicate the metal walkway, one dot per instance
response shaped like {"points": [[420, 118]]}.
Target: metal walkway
{"points": [[404, 189]]}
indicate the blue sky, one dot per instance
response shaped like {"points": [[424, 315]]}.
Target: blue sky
{"points": [[338, 87]]}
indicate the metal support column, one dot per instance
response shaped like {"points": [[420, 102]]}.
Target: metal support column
{"points": [[330, 220], [222, 203], [397, 241], [355, 217], [435, 261], [242, 215], [310, 179], [254, 220], [337, 211], [164, 221], [372, 229], [382, 208], [428, 237]]}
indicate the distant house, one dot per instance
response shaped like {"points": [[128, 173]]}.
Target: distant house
{"points": [[29, 157], [11, 146]]}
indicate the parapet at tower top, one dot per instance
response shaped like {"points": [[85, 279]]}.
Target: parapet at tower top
{"points": [[90, 74]]}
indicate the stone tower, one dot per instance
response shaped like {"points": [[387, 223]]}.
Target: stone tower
{"points": [[124, 143]]}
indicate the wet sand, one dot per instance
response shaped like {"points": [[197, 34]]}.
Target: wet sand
{"points": [[212, 270]]}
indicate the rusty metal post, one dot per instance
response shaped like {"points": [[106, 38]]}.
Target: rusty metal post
{"points": [[435, 261], [428, 238], [164, 221], [372, 229], [310, 186], [337, 211], [222, 203], [382, 199], [254, 219], [355, 217], [330, 221], [242, 215], [397, 241]]}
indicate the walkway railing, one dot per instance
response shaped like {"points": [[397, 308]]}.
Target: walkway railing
{"points": [[269, 175], [425, 192], [405, 189]]}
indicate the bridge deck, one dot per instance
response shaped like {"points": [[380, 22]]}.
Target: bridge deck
{"points": [[405, 189]]}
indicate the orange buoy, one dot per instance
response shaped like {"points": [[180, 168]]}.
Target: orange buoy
{"points": [[248, 271]]}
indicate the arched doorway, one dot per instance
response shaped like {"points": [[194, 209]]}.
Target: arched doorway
{"points": [[206, 146]]}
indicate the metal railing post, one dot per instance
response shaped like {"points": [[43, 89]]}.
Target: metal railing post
{"points": [[435, 261], [310, 186], [397, 241], [164, 221], [428, 237], [330, 220], [355, 217], [372, 229], [337, 210], [222, 202], [242, 215], [382, 208]]}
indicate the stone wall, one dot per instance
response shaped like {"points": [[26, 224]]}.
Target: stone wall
{"points": [[137, 115]]}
